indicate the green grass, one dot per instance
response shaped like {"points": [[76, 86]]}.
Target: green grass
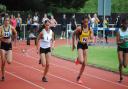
{"points": [[98, 56]]}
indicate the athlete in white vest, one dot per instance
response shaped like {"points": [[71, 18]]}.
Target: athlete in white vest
{"points": [[122, 42], [46, 38]]}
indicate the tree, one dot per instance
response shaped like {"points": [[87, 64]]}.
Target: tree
{"points": [[42, 5], [2, 8]]}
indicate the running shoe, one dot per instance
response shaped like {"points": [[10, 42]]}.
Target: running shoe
{"points": [[44, 79], [39, 61], [2, 78], [79, 80], [77, 61], [121, 78]]}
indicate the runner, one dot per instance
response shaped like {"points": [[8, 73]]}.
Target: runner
{"points": [[84, 33], [122, 49], [6, 31], [47, 37]]}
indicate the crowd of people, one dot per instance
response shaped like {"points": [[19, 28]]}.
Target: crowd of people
{"points": [[84, 33]]}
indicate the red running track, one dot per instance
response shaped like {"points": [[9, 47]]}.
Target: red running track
{"points": [[26, 73]]}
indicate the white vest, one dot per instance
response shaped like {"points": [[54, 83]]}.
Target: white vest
{"points": [[46, 39], [123, 35]]}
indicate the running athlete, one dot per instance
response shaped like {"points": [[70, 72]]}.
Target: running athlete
{"points": [[46, 38], [6, 32], [84, 34], [122, 49]]}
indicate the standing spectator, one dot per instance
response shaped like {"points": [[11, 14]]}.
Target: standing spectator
{"points": [[35, 24], [28, 22], [13, 21], [94, 23], [64, 26], [73, 25], [106, 28], [117, 23], [53, 24], [44, 18], [73, 22], [18, 26]]}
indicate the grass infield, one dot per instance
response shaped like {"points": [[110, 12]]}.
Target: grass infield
{"points": [[104, 57]]}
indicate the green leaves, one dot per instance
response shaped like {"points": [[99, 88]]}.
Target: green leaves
{"points": [[2, 8]]}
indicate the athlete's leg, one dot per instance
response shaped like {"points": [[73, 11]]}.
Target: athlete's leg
{"points": [[120, 59], [47, 56], [80, 55], [43, 59], [3, 60], [125, 60], [83, 63], [9, 56]]}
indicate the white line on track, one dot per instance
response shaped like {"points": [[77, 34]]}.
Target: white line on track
{"points": [[52, 75], [31, 83], [93, 76]]}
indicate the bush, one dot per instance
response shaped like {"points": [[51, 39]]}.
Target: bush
{"points": [[2, 8], [66, 10]]}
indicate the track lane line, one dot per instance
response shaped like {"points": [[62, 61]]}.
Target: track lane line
{"points": [[33, 68], [25, 80], [103, 79]]}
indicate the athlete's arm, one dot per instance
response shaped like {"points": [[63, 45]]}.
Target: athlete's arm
{"points": [[37, 41], [118, 39], [78, 29], [91, 34], [0, 32], [52, 44], [14, 32]]}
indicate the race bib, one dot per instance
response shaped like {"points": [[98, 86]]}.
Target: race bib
{"points": [[84, 39], [6, 34]]}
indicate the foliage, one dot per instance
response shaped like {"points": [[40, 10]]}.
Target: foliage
{"points": [[117, 6], [42, 5], [82, 6], [66, 10], [2, 8], [89, 7]]}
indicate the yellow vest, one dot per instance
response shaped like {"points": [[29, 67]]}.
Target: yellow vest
{"points": [[83, 38]]}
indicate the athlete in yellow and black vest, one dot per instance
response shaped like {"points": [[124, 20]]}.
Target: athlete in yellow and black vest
{"points": [[6, 32], [84, 34]]}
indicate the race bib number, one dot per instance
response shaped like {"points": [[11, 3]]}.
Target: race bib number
{"points": [[84, 39], [6, 34]]}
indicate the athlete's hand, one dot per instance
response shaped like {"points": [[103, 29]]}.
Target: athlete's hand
{"points": [[15, 42], [73, 47], [125, 40], [37, 51]]}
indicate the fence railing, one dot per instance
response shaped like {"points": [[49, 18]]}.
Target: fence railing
{"points": [[69, 30]]}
